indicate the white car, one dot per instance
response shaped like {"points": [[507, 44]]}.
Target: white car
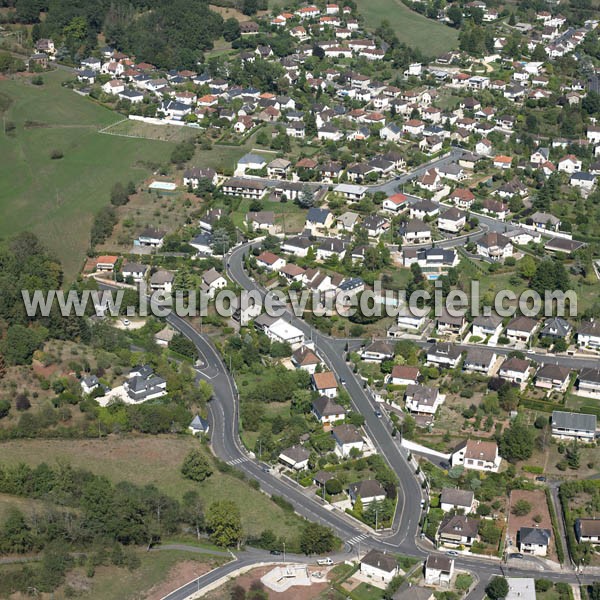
{"points": [[324, 562], [126, 322]]}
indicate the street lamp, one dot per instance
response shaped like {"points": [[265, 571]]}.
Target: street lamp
{"points": [[283, 551]]}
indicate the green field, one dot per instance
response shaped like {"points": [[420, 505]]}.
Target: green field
{"points": [[415, 30], [56, 199], [153, 460]]}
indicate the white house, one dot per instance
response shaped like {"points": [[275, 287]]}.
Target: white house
{"points": [[458, 500], [347, 437], [478, 455], [439, 570], [587, 530], [484, 327], [270, 261], [325, 383], [515, 370], [534, 540], [286, 333], [521, 329], [328, 411], [588, 384], [369, 490], [379, 566], [296, 457], [573, 426], [453, 220], [423, 400], [404, 375], [588, 334], [569, 164], [494, 246], [395, 203], [213, 281]]}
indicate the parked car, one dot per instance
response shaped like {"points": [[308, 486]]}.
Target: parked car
{"points": [[452, 553], [275, 552], [541, 479], [516, 555], [324, 561]]}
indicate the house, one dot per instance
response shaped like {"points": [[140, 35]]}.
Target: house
{"points": [[136, 271], [585, 181], [487, 326], [379, 566], [444, 354], [244, 188], [192, 177], [368, 491], [569, 164], [439, 570], [416, 232], [132, 96], [540, 156], [375, 225], [404, 375], [262, 220], [502, 162], [347, 438], [573, 426], [545, 221], [424, 208], [480, 360], [199, 426], [286, 333], [588, 384], [202, 243], [292, 272], [295, 457], [450, 324], [462, 198], [423, 400], [534, 540], [556, 328], [331, 247], [325, 383], [210, 218], [452, 172], [89, 384], [430, 180], [521, 588], [318, 218], [351, 192], [478, 455], [304, 358], [587, 530], [142, 385], [458, 530], [484, 147], [347, 221], [328, 411], [278, 168], [458, 500], [452, 220], [249, 162], [521, 329], [164, 336], [553, 377], [395, 203], [413, 127], [377, 351], [515, 370], [151, 237], [106, 263], [494, 246], [162, 281], [298, 246], [113, 87], [588, 334], [213, 281], [497, 209], [270, 261]]}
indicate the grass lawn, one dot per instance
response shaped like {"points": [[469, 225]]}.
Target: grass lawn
{"points": [[155, 460], [159, 573], [366, 591], [51, 197], [415, 30]]}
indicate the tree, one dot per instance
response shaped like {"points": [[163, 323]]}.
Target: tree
{"points": [[517, 441], [249, 7], [119, 195], [333, 486], [224, 523], [15, 534], [193, 511], [316, 539], [183, 152], [306, 198], [21, 342], [231, 29], [4, 408], [573, 456], [521, 508], [550, 275], [184, 346], [497, 588], [455, 14], [196, 467]]}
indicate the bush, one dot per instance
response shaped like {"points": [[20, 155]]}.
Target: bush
{"points": [[56, 154]]}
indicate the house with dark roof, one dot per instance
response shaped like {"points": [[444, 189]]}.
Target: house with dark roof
{"points": [[521, 329], [377, 351], [423, 400], [199, 425], [553, 377], [142, 384], [439, 570], [573, 426], [480, 360], [534, 540], [379, 566], [404, 375], [304, 358], [318, 219], [479, 455], [444, 354], [587, 530], [487, 326], [556, 328], [368, 491], [588, 334], [588, 384], [515, 370], [458, 530], [327, 411], [295, 457]]}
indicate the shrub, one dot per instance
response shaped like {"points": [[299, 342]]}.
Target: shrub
{"points": [[56, 154]]}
